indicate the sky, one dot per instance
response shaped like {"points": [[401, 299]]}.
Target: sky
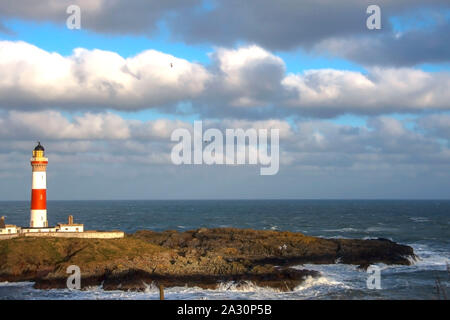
{"points": [[362, 114]]}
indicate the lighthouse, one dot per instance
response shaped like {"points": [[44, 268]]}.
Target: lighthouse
{"points": [[38, 215]]}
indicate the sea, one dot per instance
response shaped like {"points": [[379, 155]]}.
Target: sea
{"points": [[424, 225]]}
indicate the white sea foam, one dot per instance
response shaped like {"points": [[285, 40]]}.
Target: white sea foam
{"points": [[427, 259], [312, 282], [312, 287], [419, 219], [380, 229], [245, 286], [334, 237], [430, 258], [375, 238], [336, 280], [16, 284], [343, 230]]}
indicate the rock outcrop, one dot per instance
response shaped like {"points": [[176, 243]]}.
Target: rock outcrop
{"points": [[203, 258]]}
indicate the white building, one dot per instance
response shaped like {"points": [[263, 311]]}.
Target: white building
{"points": [[38, 230], [8, 228], [70, 226]]}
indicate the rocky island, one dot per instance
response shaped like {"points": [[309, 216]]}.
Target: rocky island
{"points": [[202, 257]]}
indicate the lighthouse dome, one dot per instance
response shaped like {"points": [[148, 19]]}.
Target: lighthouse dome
{"points": [[38, 151], [39, 147]]}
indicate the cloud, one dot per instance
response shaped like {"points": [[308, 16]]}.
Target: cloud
{"points": [[90, 152], [88, 79], [53, 125], [248, 82], [334, 27], [380, 138], [328, 92], [437, 125], [285, 24], [249, 76], [412, 47], [103, 132], [103, 16]]}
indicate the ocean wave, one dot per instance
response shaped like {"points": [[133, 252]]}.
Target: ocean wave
{"points": [[376, 238], [419, 219], [380, 229], [342, 230], [333, 237], [332, 274], [245, 286], [427, 259], [430, 257], [16, 284], [366, 230], [312, 282]]}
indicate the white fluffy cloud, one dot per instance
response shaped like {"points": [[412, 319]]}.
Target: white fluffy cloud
{"points": [[248, 79], [379, 91], [31, 77], [53, 125]]}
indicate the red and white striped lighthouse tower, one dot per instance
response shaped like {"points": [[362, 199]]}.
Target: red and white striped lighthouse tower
{"points": [[38, 216]]}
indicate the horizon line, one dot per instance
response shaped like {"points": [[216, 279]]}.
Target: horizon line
{"points": [[248, 199]]}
